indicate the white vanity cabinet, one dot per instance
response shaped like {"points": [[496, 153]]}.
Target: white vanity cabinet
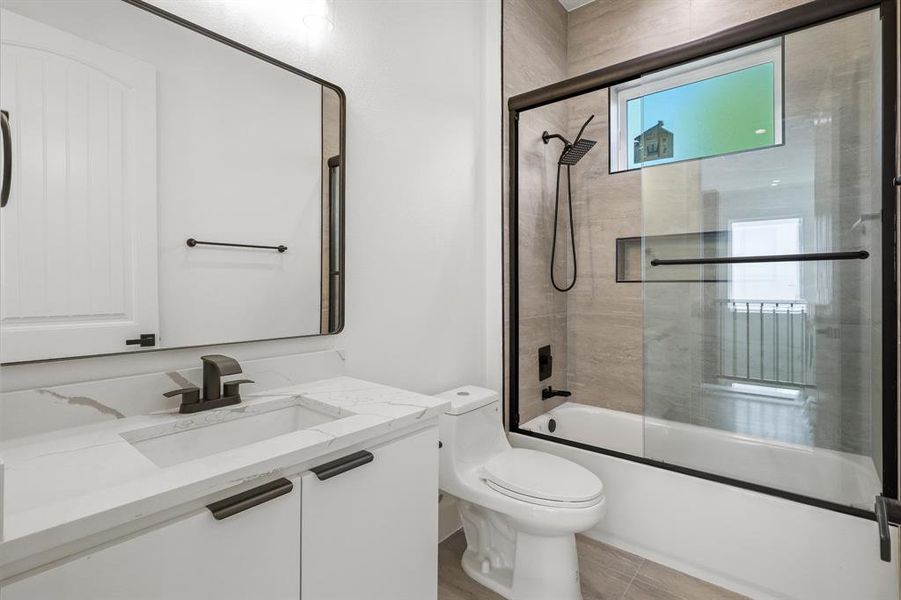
{"points": [[362, 526], [370, 524], [252, 554]]}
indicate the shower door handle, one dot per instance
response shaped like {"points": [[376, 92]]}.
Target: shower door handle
{"points": [[888, 510]]}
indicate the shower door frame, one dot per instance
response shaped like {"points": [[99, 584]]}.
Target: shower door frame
{"points": [[804, 16]]}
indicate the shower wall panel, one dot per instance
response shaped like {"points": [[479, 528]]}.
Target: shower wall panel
{"points": [[534, 55]]}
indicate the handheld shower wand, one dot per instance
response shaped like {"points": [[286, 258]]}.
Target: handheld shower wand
{"points": [[572, 154]]}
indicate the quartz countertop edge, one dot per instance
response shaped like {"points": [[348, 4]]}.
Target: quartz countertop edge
{"points": [[72, 484]]}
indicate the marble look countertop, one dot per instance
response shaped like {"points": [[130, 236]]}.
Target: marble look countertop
{"points": [[64, 486]]}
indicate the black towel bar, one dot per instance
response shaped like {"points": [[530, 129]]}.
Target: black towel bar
{"points": [[723, 260], [192, 242]]}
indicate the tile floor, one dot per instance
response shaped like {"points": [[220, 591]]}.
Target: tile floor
{"points": [[607, 574]]}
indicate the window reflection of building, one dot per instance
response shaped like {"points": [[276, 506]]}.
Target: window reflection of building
{"points": [[655, 143]]}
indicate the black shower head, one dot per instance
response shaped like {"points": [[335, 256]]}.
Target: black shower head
{"points": [[547, 137], [574, 153]]}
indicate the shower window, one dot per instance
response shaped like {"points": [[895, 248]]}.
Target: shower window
{"points": [[728, 103]]}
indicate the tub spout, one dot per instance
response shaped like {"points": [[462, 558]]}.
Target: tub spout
{"points": [[550, 392]]}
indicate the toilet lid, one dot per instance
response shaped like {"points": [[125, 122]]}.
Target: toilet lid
{"points": [[542, 476]]}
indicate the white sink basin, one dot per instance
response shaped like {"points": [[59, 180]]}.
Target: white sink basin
{"points": [[204, 434]]}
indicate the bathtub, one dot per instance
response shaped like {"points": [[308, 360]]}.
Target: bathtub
{"points": [[839, 477], [759, 545]]}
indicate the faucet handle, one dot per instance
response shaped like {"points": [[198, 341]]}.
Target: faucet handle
{"points": [[189, 395], [230, 388]]}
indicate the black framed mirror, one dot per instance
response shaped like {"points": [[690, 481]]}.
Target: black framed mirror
{"points": [[168, 187]]}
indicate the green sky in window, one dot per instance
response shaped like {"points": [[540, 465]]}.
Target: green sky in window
{"points": [[713, 116]]}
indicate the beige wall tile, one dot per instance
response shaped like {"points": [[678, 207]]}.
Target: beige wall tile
{"points": [[710, 16], [534, 333], [534, 50], [605, 359], [605, 32], [534, 54]]}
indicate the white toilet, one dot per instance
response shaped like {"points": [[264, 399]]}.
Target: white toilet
{"points": [[520, 508]]}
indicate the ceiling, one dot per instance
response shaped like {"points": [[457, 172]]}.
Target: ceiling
{"points": [[574, 4]]}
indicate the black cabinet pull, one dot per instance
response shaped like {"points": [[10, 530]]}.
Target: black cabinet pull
{"points": [[7, 157], [241, 502], [342, 465], [145, 341]]}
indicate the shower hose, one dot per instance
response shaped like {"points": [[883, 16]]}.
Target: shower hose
{"points": [[572, 230]]}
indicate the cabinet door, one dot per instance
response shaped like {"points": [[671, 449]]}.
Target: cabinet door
{"points": [[252, 554], [371, 532]]}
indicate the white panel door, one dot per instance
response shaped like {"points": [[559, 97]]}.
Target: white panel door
{"points": [[371, 533], [252, 554], [78, 238]]}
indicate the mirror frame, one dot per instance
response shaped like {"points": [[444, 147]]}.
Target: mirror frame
{"points": [[342, 120]]}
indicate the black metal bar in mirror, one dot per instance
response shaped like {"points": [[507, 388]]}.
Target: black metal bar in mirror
{"points": [[191, 243], [334, 268], [134, 111]]}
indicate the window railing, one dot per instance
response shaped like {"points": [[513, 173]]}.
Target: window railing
{"points": [[768, 342]]}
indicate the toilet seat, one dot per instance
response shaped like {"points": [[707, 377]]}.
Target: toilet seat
{"points": [[542, 478]]}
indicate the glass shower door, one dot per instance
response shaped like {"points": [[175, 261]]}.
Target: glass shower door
{"points": [[762, 245]]}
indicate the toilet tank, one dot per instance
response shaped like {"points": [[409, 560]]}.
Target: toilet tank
{"points": [[471, 430]]}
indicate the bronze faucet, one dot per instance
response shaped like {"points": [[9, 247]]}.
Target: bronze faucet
{"points": [[215, 394]]}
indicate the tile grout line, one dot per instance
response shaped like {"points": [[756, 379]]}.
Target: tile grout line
{"points": [[629, 585]]}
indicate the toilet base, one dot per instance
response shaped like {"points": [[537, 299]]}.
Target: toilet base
{"points": [[515, 564], [499, 581]]}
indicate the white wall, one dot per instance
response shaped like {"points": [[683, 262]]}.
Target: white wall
{"points": [[492, 122], [423, 189]]}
